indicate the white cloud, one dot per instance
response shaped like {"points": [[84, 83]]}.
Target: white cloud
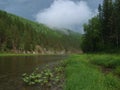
{"points": [[65, 14]]}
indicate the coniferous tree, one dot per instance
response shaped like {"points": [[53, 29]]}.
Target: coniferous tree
{"points": [[108, 32], [117, 24], [20, 35]]}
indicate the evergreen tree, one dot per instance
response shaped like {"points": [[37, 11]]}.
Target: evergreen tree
{"points": [[107, 38], [117, 24], [18, 34]]}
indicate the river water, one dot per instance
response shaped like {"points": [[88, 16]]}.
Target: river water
{"points": [[12, 68]]}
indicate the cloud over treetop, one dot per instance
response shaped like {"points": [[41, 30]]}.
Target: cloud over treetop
{"points": [[65, 14]]}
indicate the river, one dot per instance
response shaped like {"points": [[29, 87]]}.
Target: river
{"points": [[12, 68]]}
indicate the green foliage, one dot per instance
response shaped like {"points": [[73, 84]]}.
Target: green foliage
{"points": [[46, 77], [117, 70], [32, 78], [107, 61], [111, 62], [91, 38], [21, 35], [102, 33]]}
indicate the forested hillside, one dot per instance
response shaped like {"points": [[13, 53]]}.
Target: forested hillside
{"points": [[102, 33], [20, 35]]}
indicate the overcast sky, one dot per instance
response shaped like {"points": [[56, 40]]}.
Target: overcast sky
{"points": [[69, 14]]}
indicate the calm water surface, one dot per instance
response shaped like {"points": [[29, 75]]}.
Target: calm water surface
{"points": [[12, 67]]}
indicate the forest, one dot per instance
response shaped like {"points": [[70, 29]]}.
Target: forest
{"points": [[34, 56], [102, 32], [20, 35]]}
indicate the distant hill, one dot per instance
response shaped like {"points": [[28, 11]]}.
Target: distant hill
{"points": [[21, 35]]}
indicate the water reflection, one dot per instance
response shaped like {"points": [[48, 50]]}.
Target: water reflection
{"points": [[11, 68]]}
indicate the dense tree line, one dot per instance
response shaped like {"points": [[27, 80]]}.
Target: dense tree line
{"points": [[19, 34], [102, 33]]}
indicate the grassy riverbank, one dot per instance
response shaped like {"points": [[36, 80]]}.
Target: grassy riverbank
{"points": [[82, 74]]}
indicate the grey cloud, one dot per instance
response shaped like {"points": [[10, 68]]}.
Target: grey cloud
{"points": [[30, 8], [66, 14]]}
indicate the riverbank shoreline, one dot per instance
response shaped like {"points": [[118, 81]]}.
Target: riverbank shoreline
{"points": [[14, 54], [12, 68], [43, 52], [81, 74]]}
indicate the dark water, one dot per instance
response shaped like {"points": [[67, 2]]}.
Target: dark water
{"points": [[12, 67]]}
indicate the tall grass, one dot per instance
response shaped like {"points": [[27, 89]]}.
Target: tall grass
{"points": [[107, 61], [82, 75]]}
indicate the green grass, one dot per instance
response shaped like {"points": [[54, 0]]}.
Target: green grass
{"points": [[107, 61], [82, 75]]}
